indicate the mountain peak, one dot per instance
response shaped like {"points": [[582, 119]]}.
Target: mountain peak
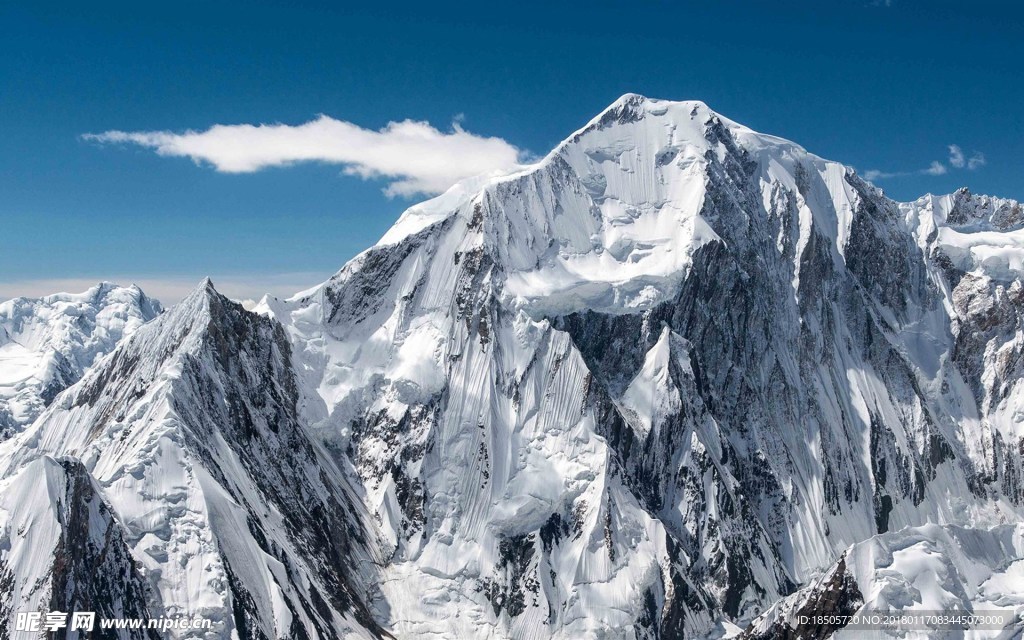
{"points": [[202, 293], [633, 107], [202, 307], [634, 135], [103, 287], [646, 104], [610, 218]]}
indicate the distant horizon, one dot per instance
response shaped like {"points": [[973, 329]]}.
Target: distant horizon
{"points": [[171, 290]]}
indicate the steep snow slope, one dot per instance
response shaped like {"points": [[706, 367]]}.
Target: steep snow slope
{"points": [[740, 341], [46, 344], [231, 512]]}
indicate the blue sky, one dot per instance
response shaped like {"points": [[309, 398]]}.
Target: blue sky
{"points": [[882, 86]]}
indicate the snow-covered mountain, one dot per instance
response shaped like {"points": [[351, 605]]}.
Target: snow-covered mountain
{"points": [[46, 344], [676, 379], [230, 511]]}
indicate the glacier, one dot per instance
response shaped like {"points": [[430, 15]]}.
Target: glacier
{"points": [[677, 378]]}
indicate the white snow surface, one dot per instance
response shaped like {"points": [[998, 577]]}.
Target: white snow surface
{"points": [[50, 342], [980, 234]]}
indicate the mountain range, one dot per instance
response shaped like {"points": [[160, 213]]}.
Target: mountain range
{"points": [[677, 379]]}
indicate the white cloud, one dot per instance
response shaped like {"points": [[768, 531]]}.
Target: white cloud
{"points": [[936, 168], [875, 174], [958, 160], [414, 156], [172, 288], [956, 156]]}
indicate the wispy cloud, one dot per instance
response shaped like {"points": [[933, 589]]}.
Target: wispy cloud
{"points": [[413, 156], [171, 288], [956, 156], [957, 160], [875, 174], [936, 168]]}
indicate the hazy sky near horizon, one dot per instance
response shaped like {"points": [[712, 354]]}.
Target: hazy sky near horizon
{"points": [[131, 146]]}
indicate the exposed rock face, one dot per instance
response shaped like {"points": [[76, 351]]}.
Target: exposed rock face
{"points": [[677, 379], [818, 612], [983, 211]]}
